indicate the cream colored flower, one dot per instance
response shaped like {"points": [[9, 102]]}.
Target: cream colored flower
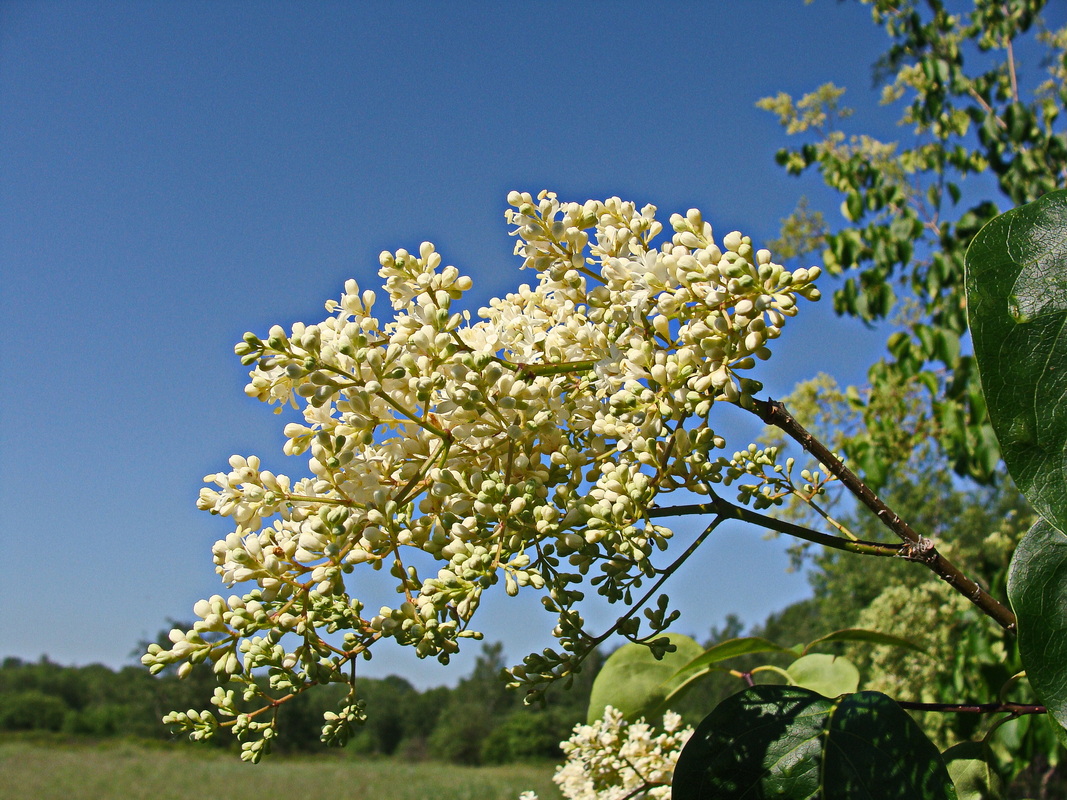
{"points": [[525, 447]]}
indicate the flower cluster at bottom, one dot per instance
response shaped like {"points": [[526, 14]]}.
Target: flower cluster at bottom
{"points": [[614, 759]]}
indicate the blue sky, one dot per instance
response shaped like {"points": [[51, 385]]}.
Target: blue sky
{"points": [[174, 174]]}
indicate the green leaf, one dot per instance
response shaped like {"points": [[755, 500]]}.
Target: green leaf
{"points": [[828, 675], [731, 648], [633, 681], [710, 658], [970, 765], [1017, 309], [739, 749], [862, 635], [1037, 589], [789, 743], [1017, 298], [874, 749], [852, 207]]}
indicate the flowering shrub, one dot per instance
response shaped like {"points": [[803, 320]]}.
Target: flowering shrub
{"points": [[458, 453], [613, 759], [535, 446]]}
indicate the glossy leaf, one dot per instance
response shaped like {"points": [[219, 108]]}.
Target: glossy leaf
{"points": [[1017, 308], [824, 674], [1037, 588], [790, 743], [1017, 296], [761, 740], [635, 682], [874, 749]]}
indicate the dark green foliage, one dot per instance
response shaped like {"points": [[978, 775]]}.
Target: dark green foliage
{"points": [[32, 710], [395, 711], [479, 721], [91, 700], [791, 743], [798, 622], [475, 708], [484, 722], [528, 734]]}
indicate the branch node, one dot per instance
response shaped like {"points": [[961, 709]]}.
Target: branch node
{"points": [[922, 551]]}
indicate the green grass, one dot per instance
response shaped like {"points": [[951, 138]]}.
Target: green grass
{"points": [[116, 770]]}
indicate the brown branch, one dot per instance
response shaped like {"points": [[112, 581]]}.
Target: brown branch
{"points": [[1015, 709], [916, 547], [1011, 71]]}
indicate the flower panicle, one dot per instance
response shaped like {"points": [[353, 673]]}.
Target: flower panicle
{"points": [[523, 445]]}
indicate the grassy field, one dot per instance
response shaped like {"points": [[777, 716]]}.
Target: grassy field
{"points": [[129, 771]]}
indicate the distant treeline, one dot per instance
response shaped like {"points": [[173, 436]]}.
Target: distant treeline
{"points": [[477, 722]]}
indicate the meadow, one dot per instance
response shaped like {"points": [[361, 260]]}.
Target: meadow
{"points": [[128, 770]]}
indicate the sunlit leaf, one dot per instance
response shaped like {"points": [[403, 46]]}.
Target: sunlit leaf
{"points": [[827, 675], [723, 651], [1017, 309], [970, 765], [635, 682]]}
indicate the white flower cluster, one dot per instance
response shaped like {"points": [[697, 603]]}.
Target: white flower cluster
{"points": [[458, 454], [613, 759]]}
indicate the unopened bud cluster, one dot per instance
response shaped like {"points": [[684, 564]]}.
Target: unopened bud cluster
{"points": [[524, 447]]}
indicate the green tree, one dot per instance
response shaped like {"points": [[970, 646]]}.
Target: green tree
{"points": [[477, 706], [90, 700], [32, 710], [396, 712], [972, 95]]}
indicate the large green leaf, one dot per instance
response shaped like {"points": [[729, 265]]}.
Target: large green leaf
{"points": [[789, 743], [1037, 588], [635, 682], [1017, 309], [1017, 304], [759, 741]]}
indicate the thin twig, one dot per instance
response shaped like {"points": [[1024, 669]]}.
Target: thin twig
{"points": [[1011, 71], [728, 510], [663, 576]]}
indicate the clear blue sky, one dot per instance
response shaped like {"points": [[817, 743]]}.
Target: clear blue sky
{"points": [[174, 174]]}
